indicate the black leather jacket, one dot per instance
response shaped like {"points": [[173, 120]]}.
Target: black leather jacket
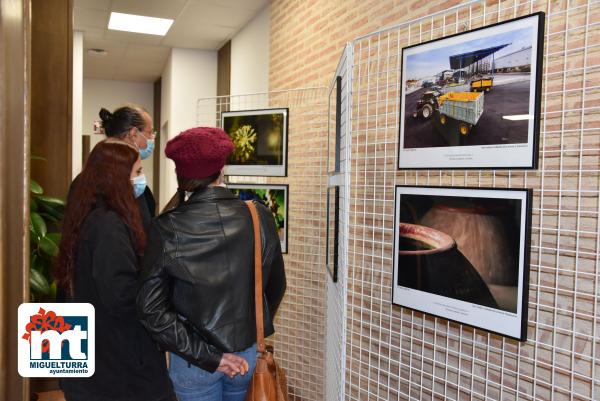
{"points": [[197, 284]]}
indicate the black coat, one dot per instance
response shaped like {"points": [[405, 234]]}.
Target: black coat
{"points": [[129, 366], [197, 293], [147, 206]]}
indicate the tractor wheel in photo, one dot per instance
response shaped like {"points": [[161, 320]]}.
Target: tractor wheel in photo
{"points": [[464, 129], [443, 119], [426, 111]]}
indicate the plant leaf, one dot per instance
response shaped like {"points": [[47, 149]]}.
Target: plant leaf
{"points": [[55, 210], [48, 246], [55, 237], [39, 262], [38, 282], [49, 200], [33, 236], [38, 224], [53, 289], [33, 260], [33, 206], [35, 188], [50, 217]]}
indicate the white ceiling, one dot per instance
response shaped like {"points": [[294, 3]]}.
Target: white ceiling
{"points": [[199, 24]]}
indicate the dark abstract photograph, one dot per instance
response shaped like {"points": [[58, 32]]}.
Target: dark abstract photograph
{"points": [[466, 245]]}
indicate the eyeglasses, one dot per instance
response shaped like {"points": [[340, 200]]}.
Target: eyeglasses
{"points": [[153, 132]]}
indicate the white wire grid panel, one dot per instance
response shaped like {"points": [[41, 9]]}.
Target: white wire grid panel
{"points": [[300, 321], [335, 349], [397, 353]]}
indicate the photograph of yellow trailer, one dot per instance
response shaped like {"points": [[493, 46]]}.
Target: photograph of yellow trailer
{"points": [[473, 91], [464, 107], [482, 84]]}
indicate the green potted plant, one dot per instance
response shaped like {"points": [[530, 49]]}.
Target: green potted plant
{"points": [[45, 214]]}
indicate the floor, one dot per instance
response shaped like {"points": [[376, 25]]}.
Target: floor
{"points": [[51, 396]]}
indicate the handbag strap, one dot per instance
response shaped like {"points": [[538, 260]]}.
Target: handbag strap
{"points": [[258, 291]]}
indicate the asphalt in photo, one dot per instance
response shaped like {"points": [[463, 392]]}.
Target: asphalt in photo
{"points": [[491, 129]]}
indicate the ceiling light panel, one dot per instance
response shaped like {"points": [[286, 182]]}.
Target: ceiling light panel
{"points": [[139, 24]]}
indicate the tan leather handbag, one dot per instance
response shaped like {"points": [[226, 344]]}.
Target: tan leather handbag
{"points": [[268, 381]]}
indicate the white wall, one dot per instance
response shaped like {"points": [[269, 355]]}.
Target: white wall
{"points": [[193, 76], [188, 76], [250, 56], [166, 167], [99, 93], [76, 142], [165, 92]]}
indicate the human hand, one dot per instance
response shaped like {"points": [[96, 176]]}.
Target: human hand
{"points": [[232, 364]]}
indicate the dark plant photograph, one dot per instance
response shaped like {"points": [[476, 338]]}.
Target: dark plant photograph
{"points": [[258, 138], [274, 197]]}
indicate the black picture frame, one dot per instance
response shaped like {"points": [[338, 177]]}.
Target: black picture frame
{"points": [[236, 188], [332, 238], [334, 126], [496, 140], [264, 167], [441, 268]]}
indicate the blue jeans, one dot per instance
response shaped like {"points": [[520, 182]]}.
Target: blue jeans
{"points": [[194, 384]]}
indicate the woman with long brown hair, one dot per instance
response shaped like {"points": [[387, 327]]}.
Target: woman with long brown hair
{"points": [[102, 244]]}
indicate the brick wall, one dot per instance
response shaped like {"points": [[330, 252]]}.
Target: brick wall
{"points": [[307, 36], [395, 353]]}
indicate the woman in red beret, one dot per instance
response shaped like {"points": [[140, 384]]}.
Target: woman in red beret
{"points": [[197, 292]]}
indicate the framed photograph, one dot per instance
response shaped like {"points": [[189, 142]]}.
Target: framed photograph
{"points": [[463, 254], [472, 100], [275, 197], [332, 235], [334, 122], [260, 139]]}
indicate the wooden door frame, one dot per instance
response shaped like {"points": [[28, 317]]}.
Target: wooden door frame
{"points": [[15, 111]]}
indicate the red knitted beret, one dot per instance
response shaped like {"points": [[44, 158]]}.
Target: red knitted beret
{"points": [[199, 152]]}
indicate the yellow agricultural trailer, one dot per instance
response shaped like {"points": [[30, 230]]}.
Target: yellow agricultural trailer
{"points": [[482, 84], [465, 107]]}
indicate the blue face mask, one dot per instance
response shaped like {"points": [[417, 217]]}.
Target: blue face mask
{"points": [[145, 153], [139, 185]]}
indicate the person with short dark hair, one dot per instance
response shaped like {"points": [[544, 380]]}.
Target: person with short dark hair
{"points": [[197, 283], [102, 244], [131, 124]]}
